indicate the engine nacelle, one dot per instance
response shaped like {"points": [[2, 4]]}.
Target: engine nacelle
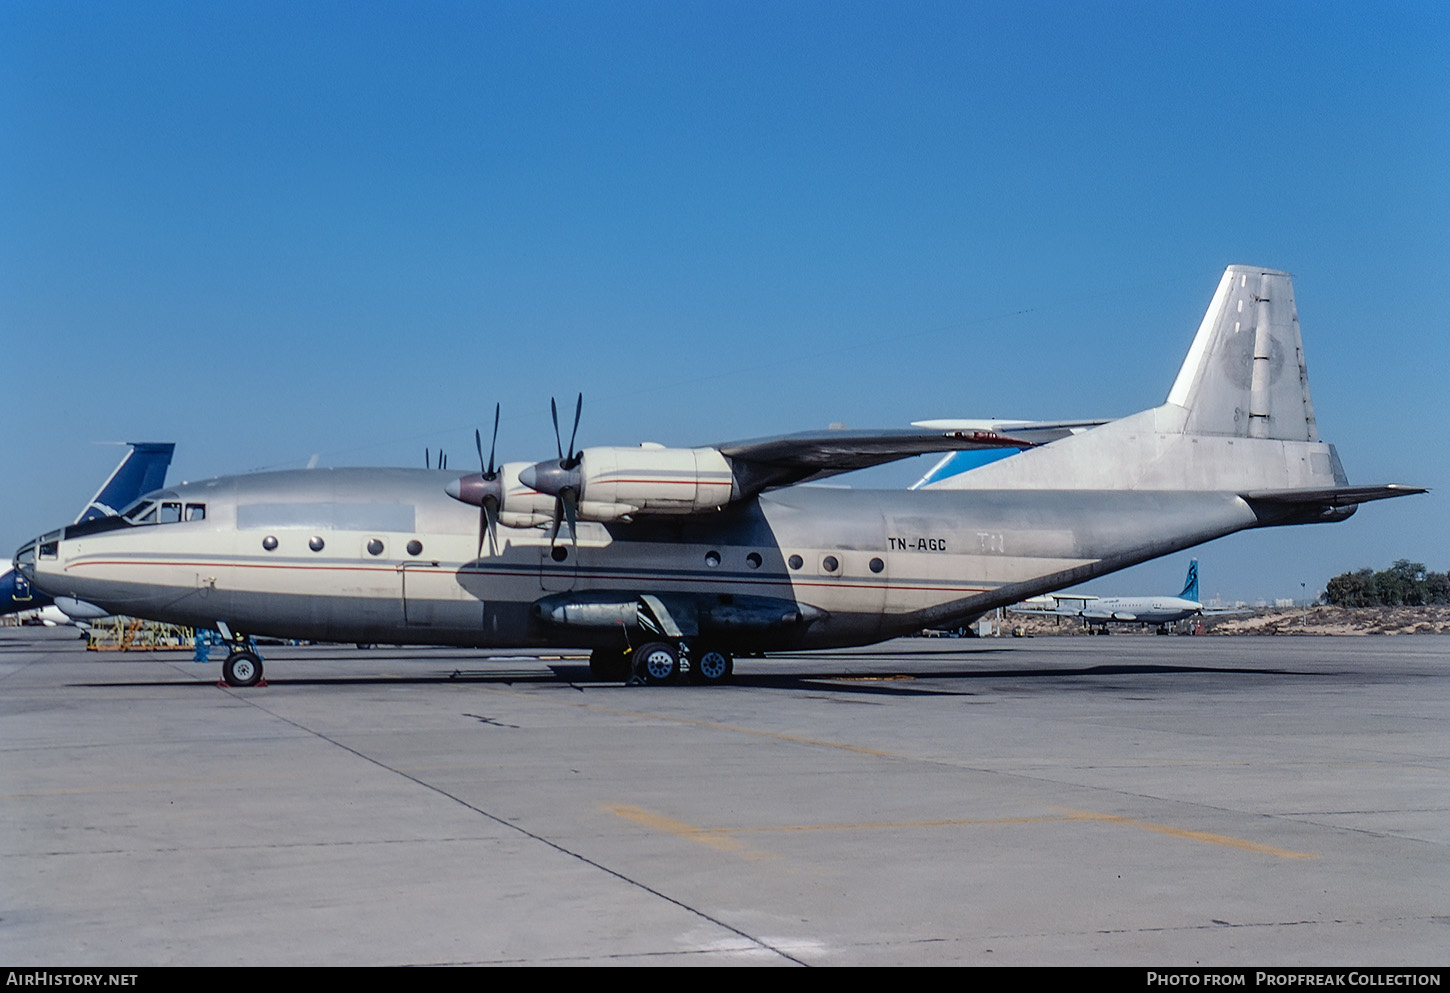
{"points": [[611, 483], [657, 480]]}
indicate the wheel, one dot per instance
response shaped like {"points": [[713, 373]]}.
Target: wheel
{"points": [[711, 665], [242, 669], [608, 664], [657, 662]]}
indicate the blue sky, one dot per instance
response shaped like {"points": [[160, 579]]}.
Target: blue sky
{"points": [[272, 230]]}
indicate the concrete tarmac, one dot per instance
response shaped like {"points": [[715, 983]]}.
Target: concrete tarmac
{"points": [[1085, 801]]}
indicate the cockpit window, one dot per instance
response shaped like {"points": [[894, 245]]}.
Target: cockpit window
{"points": [[159, 510]]}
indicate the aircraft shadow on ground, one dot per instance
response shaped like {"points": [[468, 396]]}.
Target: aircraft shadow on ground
{"points": [[901, 681]]}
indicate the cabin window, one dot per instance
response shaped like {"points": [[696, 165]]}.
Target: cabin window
{"points": [[830, 564], [795, 561], [415, 547], [753, 560], [196, 512], [375, 546], [877, 565], [315, 543], [712, 559], [270, 543], [170, 513]]}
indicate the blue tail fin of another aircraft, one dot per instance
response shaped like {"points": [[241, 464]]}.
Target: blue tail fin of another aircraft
{"points": [[141, 471], [1190, 585]]}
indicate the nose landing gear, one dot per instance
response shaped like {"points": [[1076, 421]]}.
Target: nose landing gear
{"points": [[243, 665]]}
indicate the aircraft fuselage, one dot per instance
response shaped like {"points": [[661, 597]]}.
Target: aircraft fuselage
{"points": [[384, 555]]}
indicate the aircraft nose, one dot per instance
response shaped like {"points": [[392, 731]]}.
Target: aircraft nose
{"points": [[25, 559]]}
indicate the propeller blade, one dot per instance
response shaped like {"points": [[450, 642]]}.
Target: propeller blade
{"points": [[558, 519], [570, 501], [427, 459], [490, 513], [558, 442], [578, 410], [492, 445]]}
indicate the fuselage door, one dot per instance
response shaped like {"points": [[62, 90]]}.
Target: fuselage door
{"points": [[419, 610]]}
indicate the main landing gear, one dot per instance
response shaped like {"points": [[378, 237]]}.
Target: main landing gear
{"points": [[657, 663]]}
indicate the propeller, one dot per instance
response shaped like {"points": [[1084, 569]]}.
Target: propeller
{"points": [[484, 489], [562, 478], [488, 518]]}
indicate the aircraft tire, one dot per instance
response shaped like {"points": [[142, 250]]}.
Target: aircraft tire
{"points": [[242, 669], [658, 662], [608, 664], [711, 666]]}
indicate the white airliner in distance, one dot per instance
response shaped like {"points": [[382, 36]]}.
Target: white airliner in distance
{"points": [[679, 559], [1144, 610]]}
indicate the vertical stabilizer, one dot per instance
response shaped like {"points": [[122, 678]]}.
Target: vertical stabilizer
{"points": [[1190, 585], [1238, 416], [141, 471], [1245, 375]]}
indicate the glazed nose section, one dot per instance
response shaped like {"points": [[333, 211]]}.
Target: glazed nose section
{"points": [[28, 553]]}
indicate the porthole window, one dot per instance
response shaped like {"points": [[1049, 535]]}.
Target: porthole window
{"points": [[753, 560], [315, 543], [559, 554], [415, 547], [270, 543], [830, 564], [796, 561], [877, 565], [712, 559], [375, 546]]}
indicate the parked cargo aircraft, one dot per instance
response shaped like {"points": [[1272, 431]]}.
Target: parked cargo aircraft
{"points": [[141, 470], [1102, 611], [696, 554]]}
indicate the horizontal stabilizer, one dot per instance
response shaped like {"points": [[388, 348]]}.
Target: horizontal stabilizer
{"points": [[1333, 496]]}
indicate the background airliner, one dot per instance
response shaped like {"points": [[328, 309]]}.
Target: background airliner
{"points": [[1104, 610]]}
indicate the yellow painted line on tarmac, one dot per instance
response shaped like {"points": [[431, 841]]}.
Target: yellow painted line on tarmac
{"points": [[718, 840], [1207, 837], [724, 839]]}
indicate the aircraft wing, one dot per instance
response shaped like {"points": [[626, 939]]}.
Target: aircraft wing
{"points": [[787, 459], [1046, 611]]}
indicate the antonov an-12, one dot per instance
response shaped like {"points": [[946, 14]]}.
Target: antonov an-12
{"points": [[682, 558]]}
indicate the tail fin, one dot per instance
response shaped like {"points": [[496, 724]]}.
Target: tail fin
{"points": [[1238, 417], [1245, 374], [141, 471], [1190, 586]]}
